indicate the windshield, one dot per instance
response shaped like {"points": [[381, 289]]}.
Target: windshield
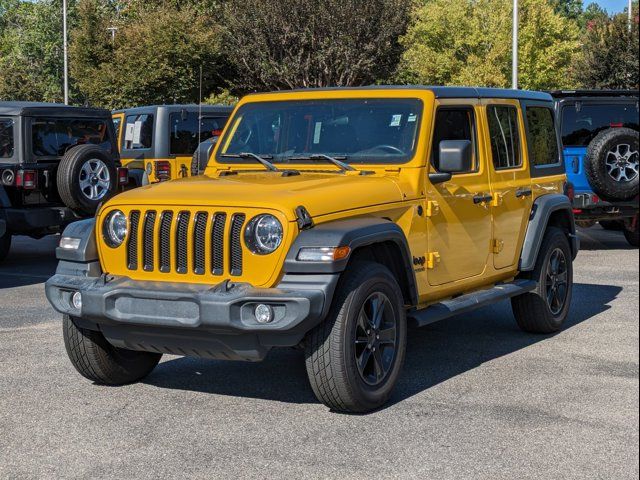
{"points": [[580, 126], [358, 131]]}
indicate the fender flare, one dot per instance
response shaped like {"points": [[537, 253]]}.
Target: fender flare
{"points": [[354, 233], [543, 208], [87, 251]]}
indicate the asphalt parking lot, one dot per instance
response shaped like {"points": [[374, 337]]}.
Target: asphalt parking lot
{"points": [[478, 398]]}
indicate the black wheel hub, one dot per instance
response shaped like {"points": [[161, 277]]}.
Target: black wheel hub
{"points": [[557, 281], [375, 339]]}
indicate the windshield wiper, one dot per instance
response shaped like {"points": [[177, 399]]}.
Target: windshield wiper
{"points": [[267, 164], [337, 161]]}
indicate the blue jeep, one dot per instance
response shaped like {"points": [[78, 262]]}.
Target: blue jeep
{"points": [[600, 136]]}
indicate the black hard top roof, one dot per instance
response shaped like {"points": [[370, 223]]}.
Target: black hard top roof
{"points": [[52, 109], [176, 108], [593, 93], [449, 92]]}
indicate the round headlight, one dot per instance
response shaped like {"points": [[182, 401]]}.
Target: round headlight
{"points": [[263, 234], [115, 228]]}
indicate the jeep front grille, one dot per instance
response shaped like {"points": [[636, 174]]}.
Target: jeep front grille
{"points": [[186, 242]]}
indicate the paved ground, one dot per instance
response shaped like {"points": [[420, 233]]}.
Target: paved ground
{"points": [[478, 399]]}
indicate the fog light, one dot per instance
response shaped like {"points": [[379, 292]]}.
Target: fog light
{"points": [[69, 243], [263, 313], [76, 300]]}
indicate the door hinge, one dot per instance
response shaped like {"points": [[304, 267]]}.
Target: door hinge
{"points": [[432, 208], [498, 245], [433, 259], [497, 200]]}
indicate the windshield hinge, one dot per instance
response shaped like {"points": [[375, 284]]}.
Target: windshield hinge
{"points": [[303, 218]]}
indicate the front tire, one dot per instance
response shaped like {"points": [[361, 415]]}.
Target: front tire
{"points": [[5, 245], [545, 309], [354, 357], [96, 359]]}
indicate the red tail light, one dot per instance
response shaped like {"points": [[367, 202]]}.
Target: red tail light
{"points": [[123, 176], [27, 179], [163, 170]]}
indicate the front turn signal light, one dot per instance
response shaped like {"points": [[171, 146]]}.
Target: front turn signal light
{"points": [[323, 254]]}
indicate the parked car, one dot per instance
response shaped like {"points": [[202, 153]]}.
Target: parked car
{"points": [[157, 143], [600, 137], [328, 219], [57, 164]]}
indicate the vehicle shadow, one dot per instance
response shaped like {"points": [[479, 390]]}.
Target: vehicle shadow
{"points": [[597, 238], [29, 261], [435, 354]]}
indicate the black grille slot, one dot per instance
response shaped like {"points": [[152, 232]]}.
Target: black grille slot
{"points": [[182, 232], [217, 243], [165, 241], [148, 243], [235, 249], [199, 232], [132, 244]]}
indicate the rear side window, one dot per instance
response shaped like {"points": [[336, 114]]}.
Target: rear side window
{"points": [[187, 131], [52, 137], [453, 124], [543, 142], [581, 123], [6, 138], [117, 124], [138, 132], [505, 137]]}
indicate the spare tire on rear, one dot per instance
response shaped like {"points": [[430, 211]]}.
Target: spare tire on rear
{"points": [[611, 164], [87, 176]]}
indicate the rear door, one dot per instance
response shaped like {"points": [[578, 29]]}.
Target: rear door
{"points": [[459, 234], [510, 179]]}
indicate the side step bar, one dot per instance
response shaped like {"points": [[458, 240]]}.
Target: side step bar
{"points": [[469, 302]]}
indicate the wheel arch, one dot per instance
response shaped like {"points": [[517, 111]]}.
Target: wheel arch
{"points": [[369, 238], [553, 210]]}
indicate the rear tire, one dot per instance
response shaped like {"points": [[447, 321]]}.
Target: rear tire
{"points": [[96, 359], [86, 177], [5, 245], [633, 236], [546, 308], [611, 164], [354, 357]]}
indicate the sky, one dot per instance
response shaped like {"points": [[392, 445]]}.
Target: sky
{"points": [[611, 6]]}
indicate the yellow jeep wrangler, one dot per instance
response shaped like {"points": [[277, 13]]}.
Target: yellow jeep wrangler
{"points": [[157, 142], [330, 220]]}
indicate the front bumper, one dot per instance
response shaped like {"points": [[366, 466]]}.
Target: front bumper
{"points": [[200, 320]]}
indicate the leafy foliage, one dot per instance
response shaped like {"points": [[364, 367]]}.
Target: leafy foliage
{"points": [[609, 56], [280, 44], [469, 43]]}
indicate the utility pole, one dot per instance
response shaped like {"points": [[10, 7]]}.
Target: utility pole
{"points": [[64, 52], [514, 62], [113, 31], [630, 14]]}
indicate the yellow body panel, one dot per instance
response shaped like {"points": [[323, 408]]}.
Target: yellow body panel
{"points": [[441, 222]]}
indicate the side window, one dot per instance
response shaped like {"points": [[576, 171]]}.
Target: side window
{"points": [[138, 133], [117, 124], [542, 140], [186, 130], [6, 138], [453, 124], [504, 136]]}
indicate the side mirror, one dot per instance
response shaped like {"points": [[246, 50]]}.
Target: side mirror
{"points": [[456, 156]]}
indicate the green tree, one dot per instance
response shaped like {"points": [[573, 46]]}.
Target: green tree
{"points": [[568, 8], [31, 49], [282, 44], [156, 56], [468, 42], [609, 53]]}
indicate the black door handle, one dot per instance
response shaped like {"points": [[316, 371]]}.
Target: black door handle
{"points": [[525, 192], [482, 198]]}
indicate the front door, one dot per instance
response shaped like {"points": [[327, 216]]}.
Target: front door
{"points": [[510, 180], [459, 225]]}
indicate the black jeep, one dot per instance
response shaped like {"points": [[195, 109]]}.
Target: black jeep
{"points": [[57, 164]]}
